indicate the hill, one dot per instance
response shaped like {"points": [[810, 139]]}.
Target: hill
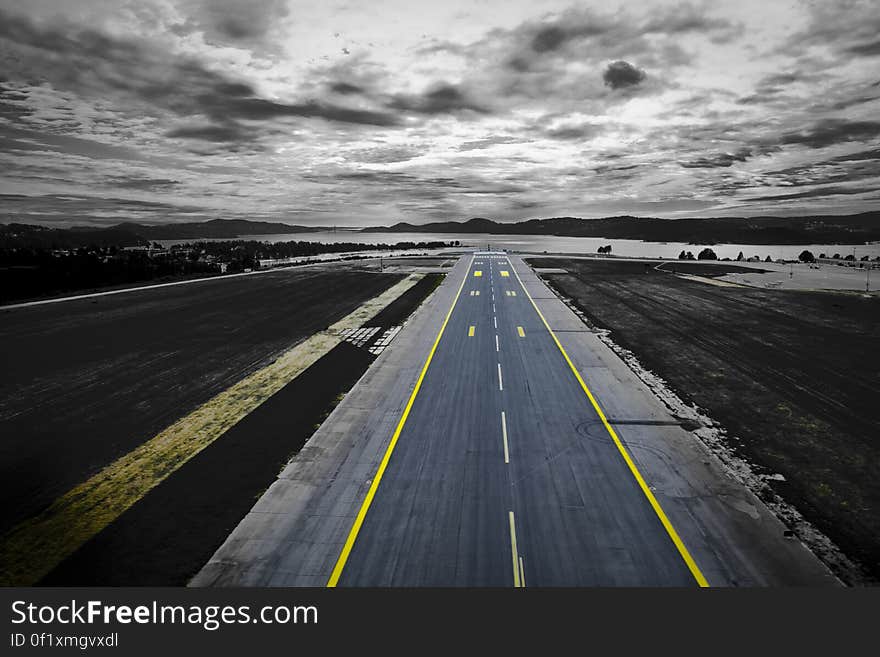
{"points": [[132, 234], [841, 229]]}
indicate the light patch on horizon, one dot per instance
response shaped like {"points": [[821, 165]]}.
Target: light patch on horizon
{"points": [[335, 114]]}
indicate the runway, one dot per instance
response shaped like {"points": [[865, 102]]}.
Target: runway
{"points": [[501, 474], [498, 442]]}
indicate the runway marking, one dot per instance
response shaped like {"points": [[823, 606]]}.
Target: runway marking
{"points": [[495, 321], [517, 573], [664, 520], [34, 547], [477, 273], [377, 478], [512, 293], [505, 273], [500, 381], [519, 329], [522, 572], [493, 307], [496, 342], [504, 437], [471, 331]]}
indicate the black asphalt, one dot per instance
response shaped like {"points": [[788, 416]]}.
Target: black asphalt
{"points": [[441, 515]]}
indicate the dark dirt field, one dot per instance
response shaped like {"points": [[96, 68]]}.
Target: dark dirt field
{"points": [[168, 535], [86, 381], [794, 375]]}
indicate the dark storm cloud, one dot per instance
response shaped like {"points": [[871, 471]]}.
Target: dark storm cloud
{"points": [[80, 208], [572, 132], [719, 160], [872, 154], [833, 131], [212, 133], [33, 140], [687, 18], [345, 88], [621, 74], [442, 99], [812, 193], [146, 184], [848, 29], [861, 165], [550, 38], [852, 102], [232, 21], [584, 32], [95, 65], [479, 144], [871, 49]]}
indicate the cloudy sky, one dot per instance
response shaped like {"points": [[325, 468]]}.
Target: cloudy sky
{"points": [[372, 112]]}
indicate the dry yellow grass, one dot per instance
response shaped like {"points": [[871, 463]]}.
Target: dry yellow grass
{"points": [[32, 548]]}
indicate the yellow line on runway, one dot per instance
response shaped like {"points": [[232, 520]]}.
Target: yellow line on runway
{"points": [[471, 331], [519, 329], [505, 273], [374, 485], [517, 582], [667, 525], [478, 273]]}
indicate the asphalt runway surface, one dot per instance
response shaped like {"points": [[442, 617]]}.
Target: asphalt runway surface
{"points": [[504, 472]]}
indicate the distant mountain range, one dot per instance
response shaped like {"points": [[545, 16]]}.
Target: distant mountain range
{"points": [[131, 234], [854, 229], [842, 229]]}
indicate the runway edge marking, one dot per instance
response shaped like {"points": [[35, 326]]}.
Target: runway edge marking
{"points": [[374, 485], [667, 524]]}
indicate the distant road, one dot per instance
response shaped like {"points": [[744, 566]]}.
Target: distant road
{"points": [[504, 472]]}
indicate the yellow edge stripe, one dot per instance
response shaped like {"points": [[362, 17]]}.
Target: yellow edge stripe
{"points": [[519, 329], [368, 500], [676, 539], [471, 331], [516, 572]]}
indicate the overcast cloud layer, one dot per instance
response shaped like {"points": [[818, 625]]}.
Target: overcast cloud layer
{"points": [[359, 113]]}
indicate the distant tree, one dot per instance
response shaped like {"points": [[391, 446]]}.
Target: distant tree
{"points": [[608, 249], [865, 258], [690, 256], [806, 256], [768, 259], [740, 257], [836, 256], [822, 255], [682, 255], [850, 257], [707, 254]]}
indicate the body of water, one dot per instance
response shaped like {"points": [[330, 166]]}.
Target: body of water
{"points": [[573, 245]]}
